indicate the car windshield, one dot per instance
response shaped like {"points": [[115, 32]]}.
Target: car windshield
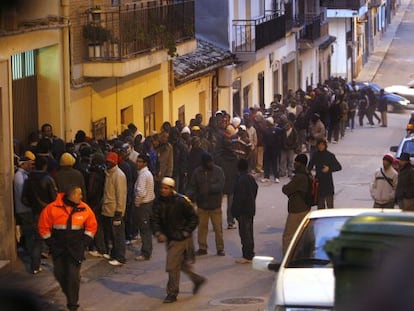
{"points": [[308, 250], [408, 147]]}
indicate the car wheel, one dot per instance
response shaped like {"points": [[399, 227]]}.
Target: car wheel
{"points": [[390, 107]]}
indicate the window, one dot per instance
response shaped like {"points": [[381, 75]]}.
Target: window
{"points": [[149, 115], [23, 65]]}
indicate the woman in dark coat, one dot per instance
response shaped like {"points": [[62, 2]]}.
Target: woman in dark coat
{"points": [[325, 164]]}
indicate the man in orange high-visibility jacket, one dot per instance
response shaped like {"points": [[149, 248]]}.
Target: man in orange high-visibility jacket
{"points": [[68, 225]]}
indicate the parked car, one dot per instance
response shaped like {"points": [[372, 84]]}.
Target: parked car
{"points": [[394, 102], [402, 90], [406, 145], [305, 278]]}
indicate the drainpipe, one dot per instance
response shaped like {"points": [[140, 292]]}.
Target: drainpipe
{"points": [[66, 120]]}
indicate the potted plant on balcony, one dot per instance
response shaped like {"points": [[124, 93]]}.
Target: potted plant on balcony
{"points": [[95, 35]]}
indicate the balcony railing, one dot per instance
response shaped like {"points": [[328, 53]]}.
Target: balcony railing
{"points": [[253, 35], [375, 3], [343, 4], [315, 26], [124, 32]]}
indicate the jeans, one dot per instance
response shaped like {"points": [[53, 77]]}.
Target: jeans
{"points": [[116, 235], [142, 214], [230, 218], [246, 235]]}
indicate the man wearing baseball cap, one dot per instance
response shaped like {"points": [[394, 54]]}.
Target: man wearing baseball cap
{"points": [[113, 209], [173, 221]]}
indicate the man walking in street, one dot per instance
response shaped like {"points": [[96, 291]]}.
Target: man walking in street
{"points": [[244, 209], [384, 183], [325, 164], [68, 226], [405, 187], [113, 209], [206, 189], [173, 221], [144, 197], [382, 108], [296, 190]]}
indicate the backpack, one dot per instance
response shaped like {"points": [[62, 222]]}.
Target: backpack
{"points": [[311, 195]]}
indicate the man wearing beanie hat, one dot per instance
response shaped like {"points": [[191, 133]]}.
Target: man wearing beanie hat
{"points": [[206, 189], [405, 187], [384, 184], [173, 221], [113, 209], [296, 191], [67, 176]]}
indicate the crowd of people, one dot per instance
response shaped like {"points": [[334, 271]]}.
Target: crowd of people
{"points": [[128, 181]]}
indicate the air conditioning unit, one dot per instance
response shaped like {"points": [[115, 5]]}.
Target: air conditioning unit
{"points": [[225, 74]]}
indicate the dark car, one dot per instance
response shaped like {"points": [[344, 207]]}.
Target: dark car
{"points": [[394, 102]]}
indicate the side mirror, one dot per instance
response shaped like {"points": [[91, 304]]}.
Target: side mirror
{"points": [[394, 148], [265, 263]]}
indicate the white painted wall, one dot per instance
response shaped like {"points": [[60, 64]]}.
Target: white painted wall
{"points": [[309, 60], [337, 28]]}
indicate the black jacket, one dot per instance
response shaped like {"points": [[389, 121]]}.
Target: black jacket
{"points": [[405, 185], [244, 199], [319, 160], [39, 190], [206, 187], [173, 216], [296, 191]]}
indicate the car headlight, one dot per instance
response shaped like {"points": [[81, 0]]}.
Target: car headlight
{"points": [[283, 308], [403, 102]]}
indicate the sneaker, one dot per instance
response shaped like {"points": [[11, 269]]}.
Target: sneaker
{"points": [[201, 252], [95, 254], [277, 180], [231, 226], [106, 256], [198, 285], [170, 299], [335, 142], [265, 180], [142, 258], [115, 262], [221, 253], [36, 271], [242, 260]]}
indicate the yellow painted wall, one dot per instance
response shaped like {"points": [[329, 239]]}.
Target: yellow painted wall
{"points": [[107, 97], [49, 88], [189, 96], [7, 241]]}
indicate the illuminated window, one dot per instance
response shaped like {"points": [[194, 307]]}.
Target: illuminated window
{"points": [[23, 65]]}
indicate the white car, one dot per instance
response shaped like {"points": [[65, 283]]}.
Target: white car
{"points": [[402, 90], [305, 279]]}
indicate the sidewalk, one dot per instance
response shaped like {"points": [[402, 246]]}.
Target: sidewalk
{"points": [[381, 47]]}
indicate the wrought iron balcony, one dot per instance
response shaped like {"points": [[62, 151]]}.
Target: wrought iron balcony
{"points": [[344, 4], [117, 33], [316, 26], [375, 3], [252, 35]]}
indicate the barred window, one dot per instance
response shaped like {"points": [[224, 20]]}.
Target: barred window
{"points": [[23, 65]]}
